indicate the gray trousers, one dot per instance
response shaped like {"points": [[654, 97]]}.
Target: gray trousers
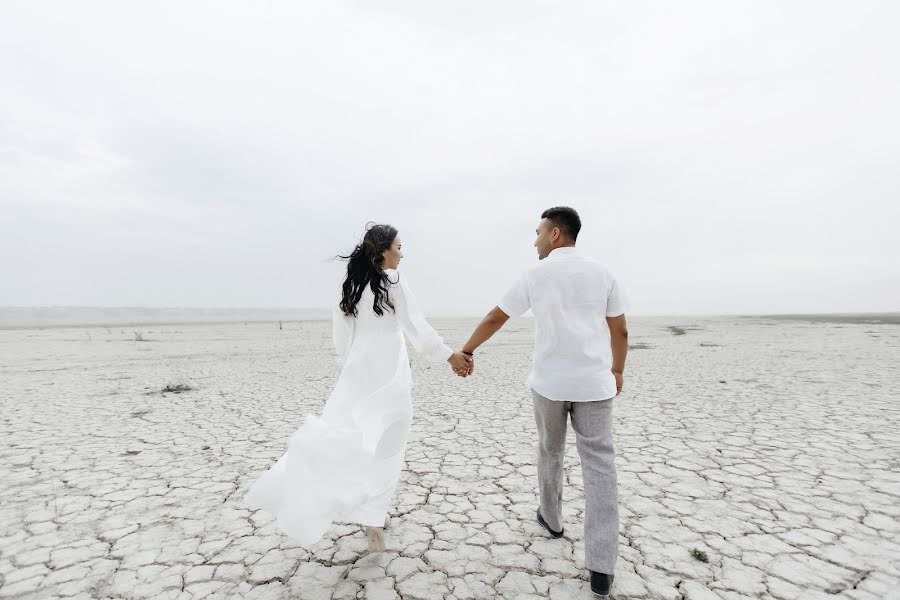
{"points": [[592, 422]]}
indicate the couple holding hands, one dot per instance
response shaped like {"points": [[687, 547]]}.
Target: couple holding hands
{"points": [[344, 465]]}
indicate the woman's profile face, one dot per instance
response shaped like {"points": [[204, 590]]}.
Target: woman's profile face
{"points": [[393, 255]]}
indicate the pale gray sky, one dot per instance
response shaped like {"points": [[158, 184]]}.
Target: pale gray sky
{"points": [[726, 157]]}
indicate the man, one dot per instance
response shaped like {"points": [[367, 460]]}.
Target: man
{"points": [[580, 345]]}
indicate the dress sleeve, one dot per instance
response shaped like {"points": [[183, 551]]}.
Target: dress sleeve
{"points": [[342, 334], [423, 337]]}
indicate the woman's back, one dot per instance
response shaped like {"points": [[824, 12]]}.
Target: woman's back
{"points": [[368, 321]]}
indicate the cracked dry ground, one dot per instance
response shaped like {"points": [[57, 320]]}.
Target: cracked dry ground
{"points": [[768, 448]]}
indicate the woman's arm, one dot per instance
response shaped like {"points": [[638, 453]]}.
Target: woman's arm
{"points": [[342, 328], [420, 333], [424, 338]]}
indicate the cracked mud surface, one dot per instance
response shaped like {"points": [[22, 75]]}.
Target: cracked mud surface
{"points": [[769, 447]]}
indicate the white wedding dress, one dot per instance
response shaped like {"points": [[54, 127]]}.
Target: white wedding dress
{"points": [[344, 465]]}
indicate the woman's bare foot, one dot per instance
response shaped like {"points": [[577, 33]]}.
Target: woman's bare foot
{"points": [[376, 539]]}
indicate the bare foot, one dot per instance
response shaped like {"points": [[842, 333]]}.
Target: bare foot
{"points": [[387, 521], [376, 539]]}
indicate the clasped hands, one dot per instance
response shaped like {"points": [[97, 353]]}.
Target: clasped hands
{"points": [[462, 364]]}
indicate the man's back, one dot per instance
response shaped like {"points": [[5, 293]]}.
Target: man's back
{"points": [[571, 296]]}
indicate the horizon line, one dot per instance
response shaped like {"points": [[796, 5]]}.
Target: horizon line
{"points": [[324, 309]]}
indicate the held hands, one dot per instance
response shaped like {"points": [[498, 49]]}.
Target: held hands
{"points": [[462, 364]]}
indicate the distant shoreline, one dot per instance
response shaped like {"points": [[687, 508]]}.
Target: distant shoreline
{"points": [[18, 318], [124, 325], [891, 318], [85, 316]]}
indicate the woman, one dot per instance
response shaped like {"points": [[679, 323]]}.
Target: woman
{"points": [[345, 464]]}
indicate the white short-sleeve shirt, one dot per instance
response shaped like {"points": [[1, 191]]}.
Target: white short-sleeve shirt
{"points": [[571, 296]]}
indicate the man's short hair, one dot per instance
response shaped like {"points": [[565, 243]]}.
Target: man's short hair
{"points": [[566, 219]]}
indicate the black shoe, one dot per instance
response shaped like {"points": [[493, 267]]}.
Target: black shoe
{"points": [[600, 583], [556, 534]]}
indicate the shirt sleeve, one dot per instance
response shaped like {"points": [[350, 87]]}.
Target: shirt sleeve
{"points": [[616, 303], [342, 334], [423, 337], [516, 301]]}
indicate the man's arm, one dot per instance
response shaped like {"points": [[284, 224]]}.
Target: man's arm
{"points": [[490, 325], [618, 333]]}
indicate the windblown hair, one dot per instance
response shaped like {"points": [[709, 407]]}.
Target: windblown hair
{"points": [[566, 219], [365, 267]]}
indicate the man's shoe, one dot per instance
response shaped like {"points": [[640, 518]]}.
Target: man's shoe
{"points": [[601, 583], [556, 534]]}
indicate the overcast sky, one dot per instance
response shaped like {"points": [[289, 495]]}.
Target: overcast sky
{"points": [[726, 157]]}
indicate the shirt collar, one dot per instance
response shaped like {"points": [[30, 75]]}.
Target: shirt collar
{"points": [[563, 250]]}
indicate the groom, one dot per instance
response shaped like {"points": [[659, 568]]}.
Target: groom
{"points": [[580, 346]]}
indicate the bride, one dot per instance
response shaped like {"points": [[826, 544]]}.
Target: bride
{"points": [[344, 465]]}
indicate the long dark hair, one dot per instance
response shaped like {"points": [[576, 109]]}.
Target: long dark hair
{"points": [[365, 268]]}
